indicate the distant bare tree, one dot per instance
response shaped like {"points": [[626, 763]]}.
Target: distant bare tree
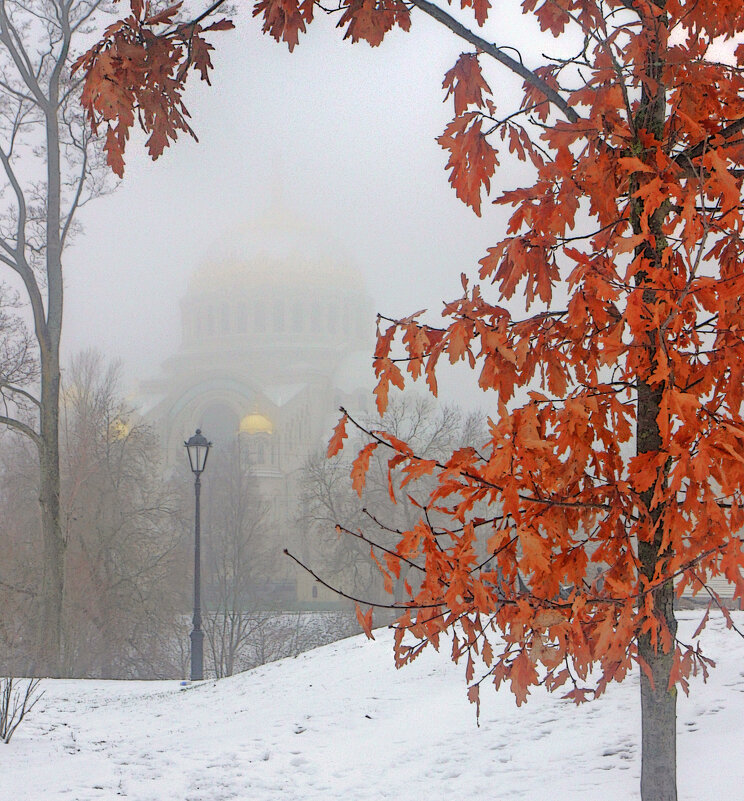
{"points": [[50, 166], [20, 566], [328, 500], [19, 364], [240, 561], [122, 525]]}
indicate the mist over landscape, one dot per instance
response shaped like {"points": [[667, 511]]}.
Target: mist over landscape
{"points": [[432, 336], [302, 130]]}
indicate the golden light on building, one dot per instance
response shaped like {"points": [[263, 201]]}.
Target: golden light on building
{"points": [[118, 430], [256, 423]]}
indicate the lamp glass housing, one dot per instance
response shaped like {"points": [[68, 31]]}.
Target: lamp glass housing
{"points": [[198, 449]]}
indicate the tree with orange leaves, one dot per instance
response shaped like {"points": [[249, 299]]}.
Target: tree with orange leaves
{"points": [[613, 465]]}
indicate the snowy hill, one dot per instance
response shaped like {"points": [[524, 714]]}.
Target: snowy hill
{"points": [[341, 723]]}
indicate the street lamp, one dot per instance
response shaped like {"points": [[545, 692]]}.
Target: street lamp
{"points": [[197, 448]]}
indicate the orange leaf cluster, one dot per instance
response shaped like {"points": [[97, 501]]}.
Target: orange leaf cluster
{"points": [[472, 159], [465, 82], [370, 20], [136, 73], [532, 565], [285, 20]]}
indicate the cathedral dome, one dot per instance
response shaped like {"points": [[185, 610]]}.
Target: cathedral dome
{"points": [[252, 275], [277, 283], [255, 423], [277, 249]]}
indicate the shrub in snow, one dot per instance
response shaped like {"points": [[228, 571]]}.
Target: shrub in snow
{"points": [[16, 701]]}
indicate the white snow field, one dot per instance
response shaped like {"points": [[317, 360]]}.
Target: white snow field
{"points": [[340, 723]]}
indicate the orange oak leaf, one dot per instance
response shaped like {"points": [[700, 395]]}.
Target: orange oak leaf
{"points": [[472, 160], [337, 439], [466, 83], [360, 467], [365, 621]]}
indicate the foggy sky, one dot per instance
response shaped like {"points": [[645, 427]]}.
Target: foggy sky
{"points": [[343, 134]]}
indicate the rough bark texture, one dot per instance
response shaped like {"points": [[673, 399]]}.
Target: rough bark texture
{"points": [[659, 714], [658, 699]]}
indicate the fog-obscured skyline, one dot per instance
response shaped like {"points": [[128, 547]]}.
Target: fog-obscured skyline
{"points": [[341, 136]]}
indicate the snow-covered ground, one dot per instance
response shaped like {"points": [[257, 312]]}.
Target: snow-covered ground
{"points": [[340, 723]]}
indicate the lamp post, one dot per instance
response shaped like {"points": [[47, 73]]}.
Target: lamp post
{"points": [[197, 448]]}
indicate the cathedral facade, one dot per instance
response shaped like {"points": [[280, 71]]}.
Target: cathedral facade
{"points": [[276, 334]]}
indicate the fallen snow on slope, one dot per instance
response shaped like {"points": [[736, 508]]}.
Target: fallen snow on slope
{"points": [[341, 723]]}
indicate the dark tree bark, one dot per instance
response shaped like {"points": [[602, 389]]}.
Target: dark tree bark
{"points": [[658, 699]]}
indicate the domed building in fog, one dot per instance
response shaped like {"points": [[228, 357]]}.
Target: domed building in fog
{"points": [[276, 334]]}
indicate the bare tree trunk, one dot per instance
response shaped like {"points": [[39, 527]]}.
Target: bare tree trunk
{"points": [[659, 712], [49, 639], [49, 334], [658, 699]]}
